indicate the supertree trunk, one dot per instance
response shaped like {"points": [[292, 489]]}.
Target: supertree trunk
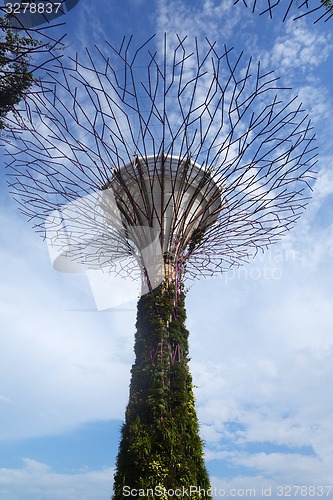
{"points": [[160, 446]]}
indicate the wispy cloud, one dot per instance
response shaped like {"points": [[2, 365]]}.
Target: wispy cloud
{"points": [[265, 386], [56, 363], [199, 19], [36, 480], [300, 48]]}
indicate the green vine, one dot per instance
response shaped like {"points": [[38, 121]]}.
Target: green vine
{"points": [[328, 4], [160, 444], [196, 239]]}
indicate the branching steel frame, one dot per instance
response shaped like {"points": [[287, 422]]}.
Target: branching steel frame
{"points": [[320, 11], [120, 105]]}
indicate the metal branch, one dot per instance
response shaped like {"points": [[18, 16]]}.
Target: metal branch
{"points": [[296, 9], [185, 157]]}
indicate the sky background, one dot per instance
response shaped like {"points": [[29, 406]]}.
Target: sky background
{"points": [[261, 338]]}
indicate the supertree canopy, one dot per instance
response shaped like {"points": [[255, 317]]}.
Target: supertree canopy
{"points": [[165, 121], [295, 9], [167, 160]]}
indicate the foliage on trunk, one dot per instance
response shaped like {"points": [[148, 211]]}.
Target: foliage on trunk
{"points": [[160, 444]]}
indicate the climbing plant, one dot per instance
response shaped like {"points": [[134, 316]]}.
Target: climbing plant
{"points": [[327, 3], [160, 444]]}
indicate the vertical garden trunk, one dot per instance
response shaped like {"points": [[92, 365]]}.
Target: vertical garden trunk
{"points": [[160, 449]]}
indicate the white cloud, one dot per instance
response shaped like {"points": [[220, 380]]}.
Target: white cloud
{"points": [[324, 183], [197, 19], [59, 358], [264, 365], [38, 481], [265, 368], [269, 401], [299, 55], [302, 47]]}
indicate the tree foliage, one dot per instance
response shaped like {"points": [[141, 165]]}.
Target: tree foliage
{"points": [[160, 444], [16, 77], [327, 3]]}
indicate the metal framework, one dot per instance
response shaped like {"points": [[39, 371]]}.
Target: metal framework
{"points": [[169, 155], [317, 9]]}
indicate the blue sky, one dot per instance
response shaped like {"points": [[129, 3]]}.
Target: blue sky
{"points": [[261, 335]]}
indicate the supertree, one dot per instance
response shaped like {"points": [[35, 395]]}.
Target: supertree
{"points": [[170, 160], [295, 9]]}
